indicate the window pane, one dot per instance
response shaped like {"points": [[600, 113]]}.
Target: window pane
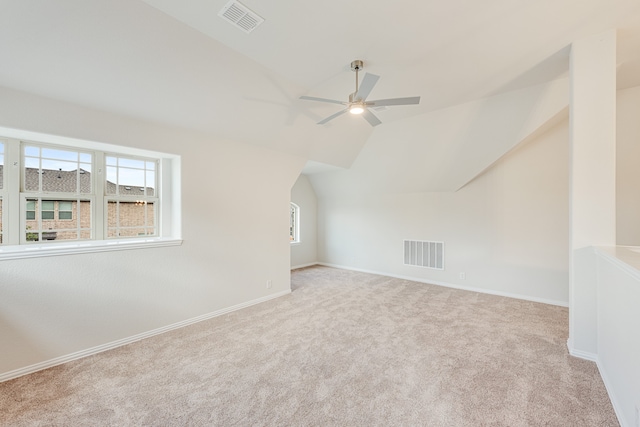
{"points": [[32, 176], [130, 178], [84, 214], [151, 215], [123, 162], [52, 153], [112, 215], [85, 178], [59, 176], [111, 161], [151, 183], [31, 151], [112, 180], [131, 214]]}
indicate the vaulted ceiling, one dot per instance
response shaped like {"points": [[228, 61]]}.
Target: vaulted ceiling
{"points": [[179, 63]]}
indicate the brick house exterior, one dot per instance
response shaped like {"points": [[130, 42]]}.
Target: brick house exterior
{"points": [[69, 220]]}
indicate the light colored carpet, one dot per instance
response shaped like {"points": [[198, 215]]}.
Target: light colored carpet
{"points": [[345, 348]]}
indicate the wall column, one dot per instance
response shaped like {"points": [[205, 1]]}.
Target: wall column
{"points": [[592, 180]]}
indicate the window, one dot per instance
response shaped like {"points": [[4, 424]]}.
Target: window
{"points": [[31, 210], [294, 223], [84, 191], [65, 210], [1, 189], [47, 209], [131, 188]]}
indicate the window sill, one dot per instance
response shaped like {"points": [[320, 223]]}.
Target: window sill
{"points": [[54, 249], [296, 243]]}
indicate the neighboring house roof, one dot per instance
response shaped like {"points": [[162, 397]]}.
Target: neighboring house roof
{"points": [[59, 181]]}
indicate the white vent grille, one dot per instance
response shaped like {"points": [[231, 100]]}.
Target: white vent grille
{"points": [[424, 254], [241, 16]]}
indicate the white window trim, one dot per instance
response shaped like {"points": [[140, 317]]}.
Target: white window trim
{"points": [[170, 221]]}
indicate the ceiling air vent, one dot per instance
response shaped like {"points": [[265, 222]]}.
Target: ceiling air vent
{"points": [[241, 16]]}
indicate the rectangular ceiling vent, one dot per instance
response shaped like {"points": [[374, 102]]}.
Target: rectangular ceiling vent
{"points": [[240, 16], [424, 254]]}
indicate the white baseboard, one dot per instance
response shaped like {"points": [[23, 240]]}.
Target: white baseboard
{"points": [[586, 355], [452, 285], [295, 267], [114, 344], [612, 397]]}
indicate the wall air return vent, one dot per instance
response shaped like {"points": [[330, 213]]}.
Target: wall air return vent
{"points": [[240, 16], [424, 254]]}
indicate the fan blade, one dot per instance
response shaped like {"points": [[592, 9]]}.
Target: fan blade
{"points": [[394, 101], [371, 118], [333, 116], [368, 82], [332, 101]]}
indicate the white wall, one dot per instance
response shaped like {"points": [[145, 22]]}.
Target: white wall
{"points": [[235, 219], [628, 167], [618, 283], [303, 195], [507, 230], [592, 182]]}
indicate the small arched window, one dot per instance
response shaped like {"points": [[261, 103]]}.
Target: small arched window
{"points": [[294, 223]]}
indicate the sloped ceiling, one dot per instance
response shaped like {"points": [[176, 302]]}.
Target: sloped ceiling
{"points": [[177, 62], [446, 149]]}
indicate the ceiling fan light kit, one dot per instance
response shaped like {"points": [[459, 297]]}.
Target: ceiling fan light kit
{"points": [[358, 104]]}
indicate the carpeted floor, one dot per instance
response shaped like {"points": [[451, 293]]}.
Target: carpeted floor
{"points": [[344, 349]]}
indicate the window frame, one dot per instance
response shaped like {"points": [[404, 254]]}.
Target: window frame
{"points": [[3, 195], [14, 246]]}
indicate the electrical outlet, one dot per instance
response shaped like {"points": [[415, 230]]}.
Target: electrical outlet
{"points": [[463, 276], [269, 283]]}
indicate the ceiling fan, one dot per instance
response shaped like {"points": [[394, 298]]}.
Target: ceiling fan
{"points": [[358, 103]]}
